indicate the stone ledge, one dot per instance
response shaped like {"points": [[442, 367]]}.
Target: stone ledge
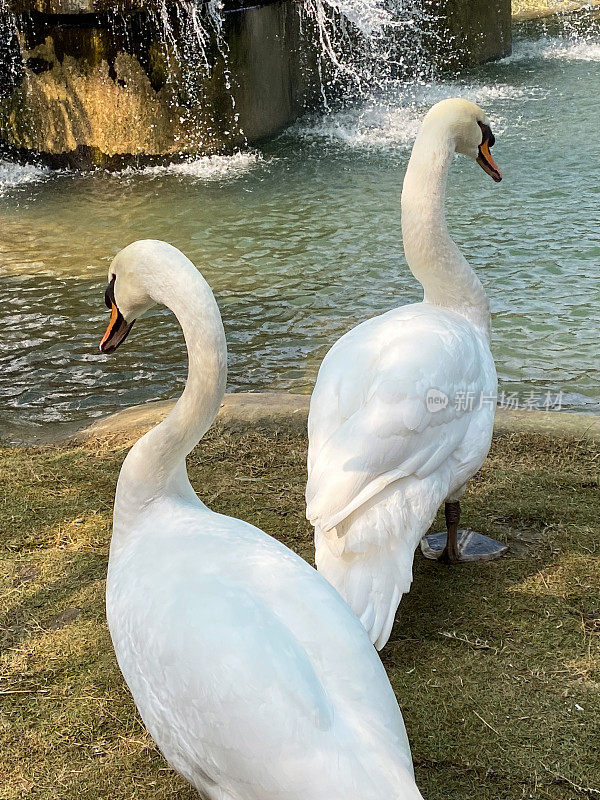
{"points": [[268, 410], [278, 409], [238, 411]]}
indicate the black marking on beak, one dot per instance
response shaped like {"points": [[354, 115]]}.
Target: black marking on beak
{"points": [[484, 159], [118, 328], [109, 294]]}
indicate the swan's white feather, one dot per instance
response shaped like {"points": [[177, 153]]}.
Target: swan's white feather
{"points": [[380, 461], [249, 670]]}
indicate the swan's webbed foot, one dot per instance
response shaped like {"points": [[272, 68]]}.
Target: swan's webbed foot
{"points": [[456, 546]]}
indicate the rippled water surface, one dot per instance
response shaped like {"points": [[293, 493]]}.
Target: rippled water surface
{"points": [[301, 239]]}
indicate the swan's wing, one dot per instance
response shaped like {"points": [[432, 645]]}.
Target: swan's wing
{"points": [[234, 702], [370, 422], [229, 683]]}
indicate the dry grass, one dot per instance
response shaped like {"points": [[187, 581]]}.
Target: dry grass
{"points": [[533, 6], [496, 667], [530, 9]]}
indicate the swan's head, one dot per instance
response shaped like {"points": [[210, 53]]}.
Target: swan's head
{"points": [[127, 295], [468, 129]]}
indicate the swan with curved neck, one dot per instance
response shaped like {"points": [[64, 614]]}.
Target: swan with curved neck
{"points": [[434, 259], [230, 643], [156, 273], [402, 412]]}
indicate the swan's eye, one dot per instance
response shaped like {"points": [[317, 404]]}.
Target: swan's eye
{"points": [[109, 294]]}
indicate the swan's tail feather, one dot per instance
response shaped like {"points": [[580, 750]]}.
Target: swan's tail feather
{"points": [[368, 557], [372, 582]]}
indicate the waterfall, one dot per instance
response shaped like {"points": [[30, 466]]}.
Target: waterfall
{"points": [[11, 67], [163, 68], [365, 43], [191, 32], [361, 43]]}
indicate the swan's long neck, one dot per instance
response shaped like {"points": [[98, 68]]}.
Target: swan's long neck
{"points": [[155, 466], [434, 259]]}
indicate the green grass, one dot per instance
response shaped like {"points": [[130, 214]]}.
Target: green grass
{"points": [[490, 662]]}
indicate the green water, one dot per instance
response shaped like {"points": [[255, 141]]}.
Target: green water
{"points": [[301, 239]]}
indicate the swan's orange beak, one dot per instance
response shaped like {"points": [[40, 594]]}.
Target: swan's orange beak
{"points": [[118, 328], [487, 163]]}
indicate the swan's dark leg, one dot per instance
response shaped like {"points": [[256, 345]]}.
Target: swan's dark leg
{"points": [[451, 553]]}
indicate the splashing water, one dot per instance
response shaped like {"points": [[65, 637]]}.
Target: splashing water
{"points": [[369, 16], [392, 121], [563, 48], [14, 175], [191, 33], [10, 62], [361, 45], [366, 43], [188, 29], [204, 168], [572, 37]]}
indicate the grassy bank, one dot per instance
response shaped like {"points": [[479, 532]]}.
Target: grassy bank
{"points": [[496, 666]]}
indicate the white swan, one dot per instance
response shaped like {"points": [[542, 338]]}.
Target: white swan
{"points": [[392, 429], [250, 672]]}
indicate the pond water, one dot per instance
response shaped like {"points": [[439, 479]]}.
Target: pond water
{"points": [[301, 239]]}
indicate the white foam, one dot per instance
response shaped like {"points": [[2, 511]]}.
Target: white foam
{"points": [[559, 48], [13, 175], [481, 94], [371, 126], [394, 124], [206, 168]]}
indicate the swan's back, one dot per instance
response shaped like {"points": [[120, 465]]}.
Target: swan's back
{"points": [[381, 458], [250, 672], [369, 410]]}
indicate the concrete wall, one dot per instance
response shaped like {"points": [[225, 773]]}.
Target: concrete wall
{"points": [[97, 89], [475, 30], [274, 67]]}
